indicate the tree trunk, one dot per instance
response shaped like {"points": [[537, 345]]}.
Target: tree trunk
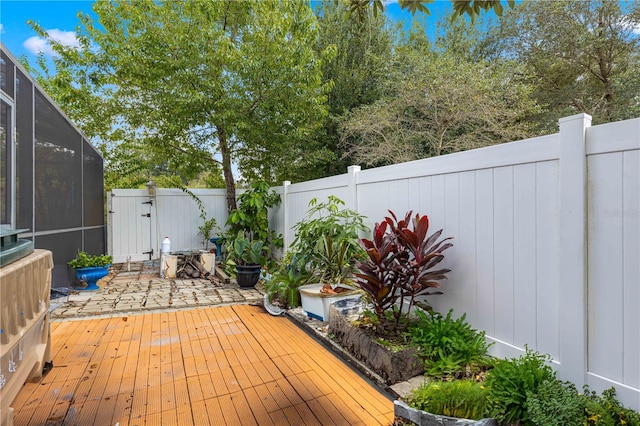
{"points": [[226, 169]]}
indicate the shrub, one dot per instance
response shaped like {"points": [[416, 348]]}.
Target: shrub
{"points": [[556, 403], [85, 260], [284, 283], [511, 380], [465, 399], [605, 410], [400, 264], [448, 345]]}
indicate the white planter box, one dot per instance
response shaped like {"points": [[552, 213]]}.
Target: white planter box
{"points": [[316, 304]]}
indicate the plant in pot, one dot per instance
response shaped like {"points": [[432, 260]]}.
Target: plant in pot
{"points": [[90, 268], [251, 221], [282, 287], [326, 246], [248, 257]]}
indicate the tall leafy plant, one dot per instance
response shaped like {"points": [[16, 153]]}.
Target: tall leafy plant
{"points": [[251, 219], [326, 241], [283, 285], [400, 265]]}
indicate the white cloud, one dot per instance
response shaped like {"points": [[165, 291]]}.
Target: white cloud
{"points": [[636, 30], [38, 45]]}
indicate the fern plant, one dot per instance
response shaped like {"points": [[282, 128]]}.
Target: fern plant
{"points": [[448, 345], [511, 380]]}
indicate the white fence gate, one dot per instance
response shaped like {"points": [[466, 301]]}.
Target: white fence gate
{"points": [[546, 241], [139, 222]]}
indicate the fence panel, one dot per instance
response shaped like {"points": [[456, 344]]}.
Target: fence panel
{"points": [[613, 259], [546, 240], [489, 200]]}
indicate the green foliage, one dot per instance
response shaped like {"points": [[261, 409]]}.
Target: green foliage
{"points": [[466, 399], [326, 241], [285, 281], [511, 380], [580, 56], [471, 8], [357, 73], [606, 410], [251, 220], [556, 403], [208, 225], [85, 260], [188, 80], [439, 102], [447, 345], [243, 251], [252, 215]]}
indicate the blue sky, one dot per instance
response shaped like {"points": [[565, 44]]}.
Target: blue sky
{"points": [[59, 17]]}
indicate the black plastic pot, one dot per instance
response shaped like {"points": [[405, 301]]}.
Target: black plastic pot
{"points": [[247, 275]]}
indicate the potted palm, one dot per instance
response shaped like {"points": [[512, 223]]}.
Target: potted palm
{"points": [[326, 246], [90, 269]]}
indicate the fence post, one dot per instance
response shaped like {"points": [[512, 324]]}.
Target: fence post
{"points": [[573, 249], [352, 197], [287, 217]]}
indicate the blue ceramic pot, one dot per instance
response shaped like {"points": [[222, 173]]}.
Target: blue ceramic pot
{"points": [[91, 275]]}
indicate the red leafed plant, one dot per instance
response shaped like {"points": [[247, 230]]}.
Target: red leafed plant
{"points": [[401, 265]]}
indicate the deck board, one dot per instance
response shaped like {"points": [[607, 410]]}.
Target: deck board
{"points": [[232, 365]]}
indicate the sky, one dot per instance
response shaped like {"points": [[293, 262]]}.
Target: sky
{"points": [[59, 18]]}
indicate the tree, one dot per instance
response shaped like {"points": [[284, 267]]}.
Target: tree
{"points": [[357, 74], [471, 8], [439, 102], [582, 56], [189, 79]]}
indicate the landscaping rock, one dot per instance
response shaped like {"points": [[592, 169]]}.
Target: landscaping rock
{"points": [[392, 366]]}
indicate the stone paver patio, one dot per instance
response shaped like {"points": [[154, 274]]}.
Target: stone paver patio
{"points": [[140, 289]]}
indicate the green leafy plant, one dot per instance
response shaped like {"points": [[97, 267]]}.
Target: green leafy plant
{"points": [[448, 346], [251, 221], [208, 225], [556, 403], [400, 263], [247, 252], [465, 399], [284, 283], [85, 260], [252, 215], [326, 241], [606, 410], [511, 380]]}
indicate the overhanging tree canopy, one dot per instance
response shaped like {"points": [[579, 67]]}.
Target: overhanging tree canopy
{"points": [[198, 78]]}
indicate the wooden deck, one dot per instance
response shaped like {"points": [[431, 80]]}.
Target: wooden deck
{"points": [[233, 365]]}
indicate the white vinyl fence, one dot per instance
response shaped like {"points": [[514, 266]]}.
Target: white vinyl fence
{"points": [[546, 240]]}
